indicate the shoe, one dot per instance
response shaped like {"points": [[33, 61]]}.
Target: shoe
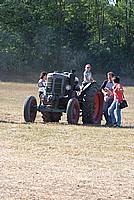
{"points": [[110, 125], [116, 126], [107, 124]]}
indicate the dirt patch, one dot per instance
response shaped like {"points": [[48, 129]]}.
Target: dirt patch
{"points": [[75, 163]]}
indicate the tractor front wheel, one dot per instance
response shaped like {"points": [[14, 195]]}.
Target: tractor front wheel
{"points": [[73, 110], [30, 109]]}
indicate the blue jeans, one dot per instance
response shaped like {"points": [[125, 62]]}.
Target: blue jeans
{"points": [[106, 105], [115, 106]]}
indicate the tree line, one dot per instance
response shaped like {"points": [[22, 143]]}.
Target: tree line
{"points": [[66, 34]]}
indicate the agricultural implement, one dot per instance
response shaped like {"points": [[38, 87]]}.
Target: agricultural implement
{"points": [[64, 95]]}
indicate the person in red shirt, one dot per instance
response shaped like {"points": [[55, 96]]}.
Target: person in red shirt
{"points": [[115, 106]]}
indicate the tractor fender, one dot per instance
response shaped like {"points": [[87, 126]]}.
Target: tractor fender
{"points": [[88, 85]]}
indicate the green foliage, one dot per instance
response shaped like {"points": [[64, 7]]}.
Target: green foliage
{"points": [[61, 34]]}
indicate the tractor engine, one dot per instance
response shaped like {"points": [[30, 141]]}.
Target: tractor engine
{"points": [[60, 86]]}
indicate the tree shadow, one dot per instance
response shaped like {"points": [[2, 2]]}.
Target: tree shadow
{"points": [[62, 123], [97, 125], [121, 127], [10, 122]]}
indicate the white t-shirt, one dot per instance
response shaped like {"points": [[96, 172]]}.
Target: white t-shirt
{"points": [[42, 86], [108, 96], [87, 76]]}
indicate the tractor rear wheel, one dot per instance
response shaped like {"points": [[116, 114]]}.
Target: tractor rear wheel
{"points": [[73, 110], [92, 105], [30, 109]]}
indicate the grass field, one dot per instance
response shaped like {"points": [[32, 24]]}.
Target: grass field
{"points": [[59, 161]]}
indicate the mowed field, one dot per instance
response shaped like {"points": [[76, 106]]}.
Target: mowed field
{"points": [[57, 161]]}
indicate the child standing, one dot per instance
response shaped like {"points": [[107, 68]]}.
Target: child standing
{"points": [[42, 84], [118, 97], [87, 74]]}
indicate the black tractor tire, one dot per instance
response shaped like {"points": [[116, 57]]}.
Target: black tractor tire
{"points": [[51, 117], [73, 111], [92, 105], [30, 109]]}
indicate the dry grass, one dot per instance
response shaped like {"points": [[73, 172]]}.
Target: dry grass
{"points": [[62, 162]]}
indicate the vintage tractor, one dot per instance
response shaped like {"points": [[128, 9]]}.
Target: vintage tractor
{"points": [[63, 95]]}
